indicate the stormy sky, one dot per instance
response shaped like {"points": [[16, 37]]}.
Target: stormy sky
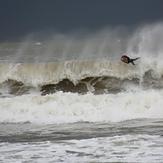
{"points": [[22, 17]]}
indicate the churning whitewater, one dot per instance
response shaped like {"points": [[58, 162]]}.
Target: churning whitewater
{"points": [[69, 98], [83, 89], [89, 89], [68, 107]]}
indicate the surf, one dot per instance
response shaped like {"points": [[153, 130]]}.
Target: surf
{"points": [[80, 76], [69, 107]]}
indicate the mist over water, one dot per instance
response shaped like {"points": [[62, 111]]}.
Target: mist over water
{"points": [[69, 96], [110, 43], [83, 63], [89, 58]]}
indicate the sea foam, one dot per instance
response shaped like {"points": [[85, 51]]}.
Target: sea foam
{"points": [[71, 107]]}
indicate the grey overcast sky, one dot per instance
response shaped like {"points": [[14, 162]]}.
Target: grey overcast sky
{"points": [[22, 17]]}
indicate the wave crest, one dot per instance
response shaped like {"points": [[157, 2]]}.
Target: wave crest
{"points": [[74, 70], [99, 76]]}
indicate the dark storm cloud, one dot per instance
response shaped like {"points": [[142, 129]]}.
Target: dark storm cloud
{"points": [[21, 17]]}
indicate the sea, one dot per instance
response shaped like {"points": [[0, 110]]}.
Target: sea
{"points": [[68, 98]]}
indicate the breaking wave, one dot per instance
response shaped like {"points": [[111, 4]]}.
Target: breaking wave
{"points": [[78, 62], [82, 84], [99, 76]]}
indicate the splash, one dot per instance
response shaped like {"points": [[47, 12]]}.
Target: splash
{"points": [[86, 77], [68, 107]]}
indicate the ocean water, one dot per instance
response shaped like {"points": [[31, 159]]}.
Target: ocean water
{"points": [[69, 98]]}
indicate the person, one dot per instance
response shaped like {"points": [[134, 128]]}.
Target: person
{"points": [[128, 60]]}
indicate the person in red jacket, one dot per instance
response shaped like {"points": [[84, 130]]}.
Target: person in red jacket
{"points": [[128, 60]]}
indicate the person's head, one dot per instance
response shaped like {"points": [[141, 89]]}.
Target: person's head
{"points": [[124, 59]]}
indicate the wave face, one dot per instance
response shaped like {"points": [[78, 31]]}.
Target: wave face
{"points": [[99, 76], [78, 82]]}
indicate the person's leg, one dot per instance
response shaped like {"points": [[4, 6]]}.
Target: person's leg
{"points": [[135, 59], [132, 60]]}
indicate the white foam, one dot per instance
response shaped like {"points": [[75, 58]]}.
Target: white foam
{"points": [[68, 107], [126, 148]]}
